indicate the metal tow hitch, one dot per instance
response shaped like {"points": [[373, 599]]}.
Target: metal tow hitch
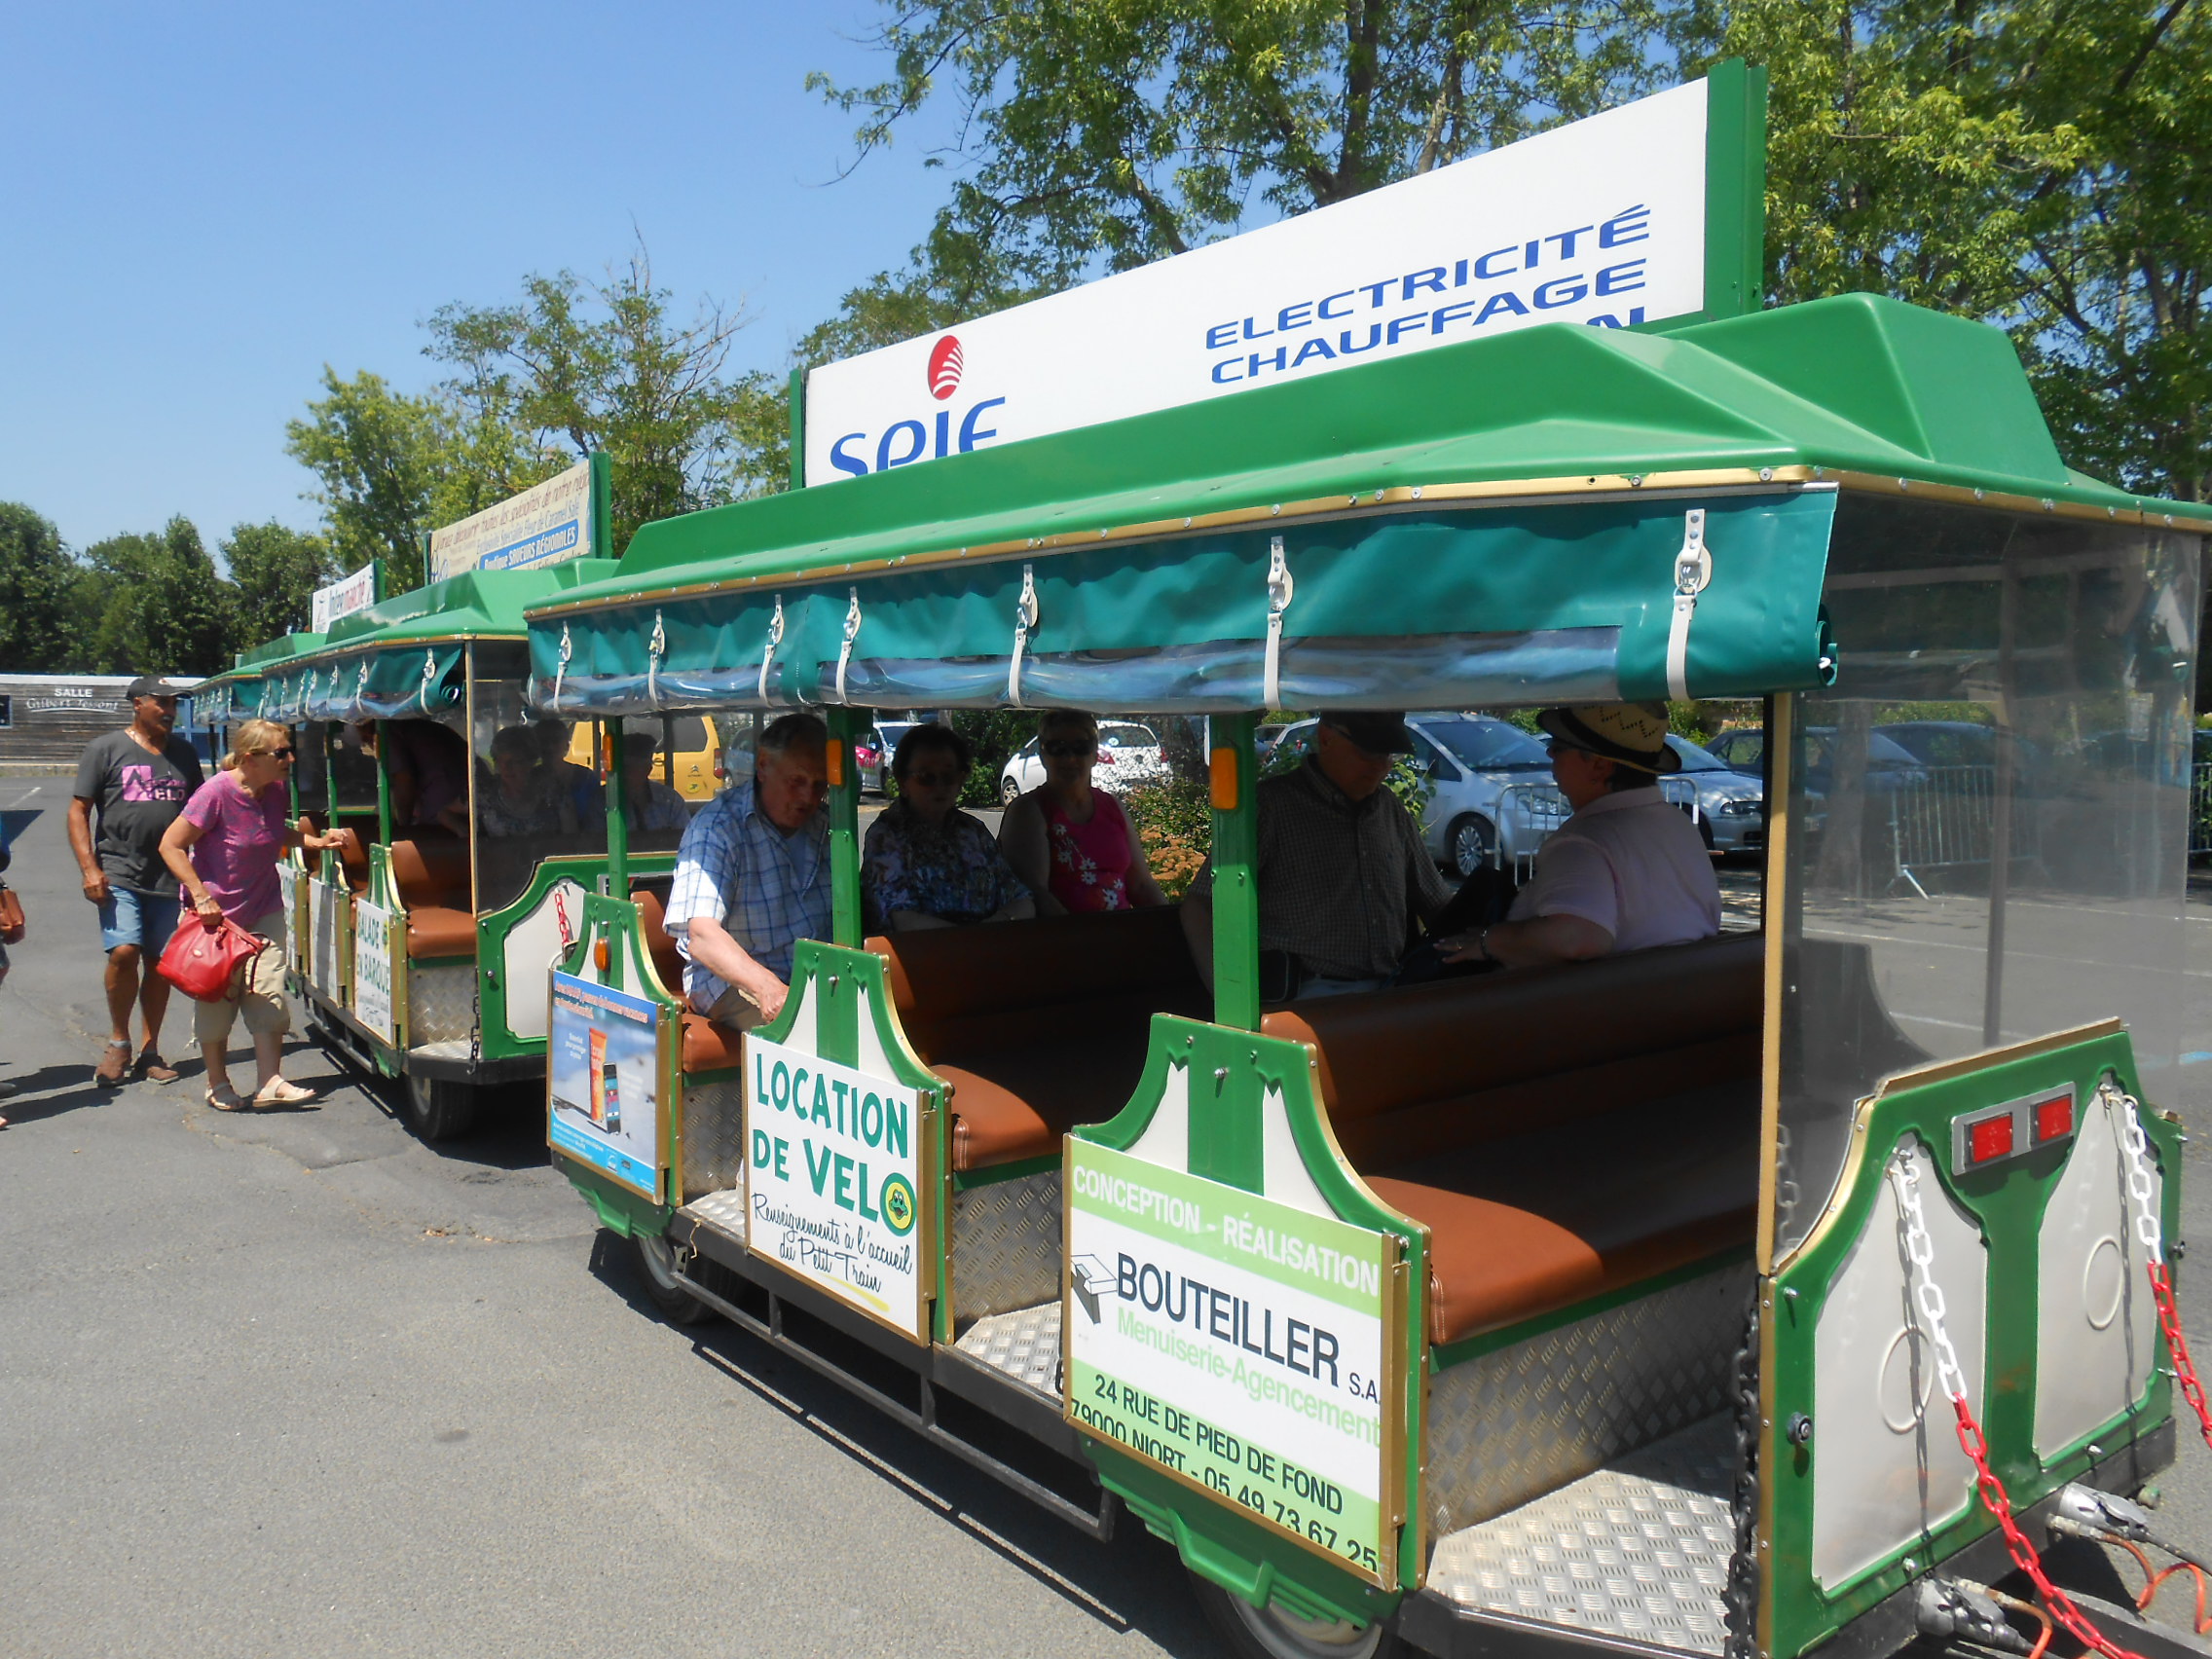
{"points": [[2086, 1512], [1953, 1608]]}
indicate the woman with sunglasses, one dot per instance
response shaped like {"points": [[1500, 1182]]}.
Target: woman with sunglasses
{"points": [[1069, 840], [224, 848], [927, 864]]}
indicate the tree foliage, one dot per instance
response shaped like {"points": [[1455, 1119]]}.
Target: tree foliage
{"points": [[275, 573], [156, 605], [379, 458], [38, 582]]}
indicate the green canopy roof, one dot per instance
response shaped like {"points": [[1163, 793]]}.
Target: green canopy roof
{"points": [[399, 656], [1496, 520]]}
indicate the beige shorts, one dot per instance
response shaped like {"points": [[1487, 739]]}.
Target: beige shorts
{"points": [[257, 990]]}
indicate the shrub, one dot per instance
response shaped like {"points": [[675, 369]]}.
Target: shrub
{"points": [[1175, 826]]}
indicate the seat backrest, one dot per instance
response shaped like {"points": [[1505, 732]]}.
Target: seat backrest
{"points": [[1000, 984], [1424, 1070], [660, 945], [431, 870]]}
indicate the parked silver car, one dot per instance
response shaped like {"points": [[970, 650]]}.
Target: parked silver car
{"points": [[1731, 806], [1491, 799]]}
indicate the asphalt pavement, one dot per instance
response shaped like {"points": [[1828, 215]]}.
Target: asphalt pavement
{"points": [[292, 1384]]}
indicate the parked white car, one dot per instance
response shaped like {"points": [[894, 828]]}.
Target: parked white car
{"points": [[1128, 755]]}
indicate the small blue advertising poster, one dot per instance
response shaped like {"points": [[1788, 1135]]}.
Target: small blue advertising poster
{"points": [[603, 1095]]}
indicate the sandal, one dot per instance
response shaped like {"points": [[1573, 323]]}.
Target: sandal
{"points": [[224, 1099], [114, 1063], [149, 1064], [283, 1091]]}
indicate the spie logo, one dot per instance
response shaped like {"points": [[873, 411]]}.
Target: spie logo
{"points": [[946, 364], [928, 435]]}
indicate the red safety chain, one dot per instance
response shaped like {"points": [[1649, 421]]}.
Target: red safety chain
{"points": [[2177, 1344], [561, 911], [1999, 1503]]}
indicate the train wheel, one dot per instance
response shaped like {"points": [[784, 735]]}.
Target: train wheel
{"points": [[1271, 1633], [656, 1263], [439, 1109]]}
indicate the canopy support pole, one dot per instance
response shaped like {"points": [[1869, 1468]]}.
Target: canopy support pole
{"points": [[614, 740], [1233, 769], [845, 924], [383, 782]]}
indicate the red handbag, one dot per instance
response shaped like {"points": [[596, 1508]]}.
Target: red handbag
{"points": [[200, 960], [11, 916]]}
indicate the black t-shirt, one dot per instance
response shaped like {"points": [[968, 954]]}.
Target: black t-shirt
{"points": [[136, 798]]}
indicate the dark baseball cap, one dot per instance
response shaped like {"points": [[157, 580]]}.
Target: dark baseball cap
{"points": [[150, 686], [1376, 730]]}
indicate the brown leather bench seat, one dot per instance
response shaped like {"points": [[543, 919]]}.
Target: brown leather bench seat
{"points": [[707, 1045], [1039, 1026], [431, 871], [1562, 1131]]}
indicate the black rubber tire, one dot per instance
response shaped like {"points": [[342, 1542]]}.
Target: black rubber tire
{"points": [[439, 1109], [1479, 837], [1253, 1633], [1010, 792], [656, 1272]]}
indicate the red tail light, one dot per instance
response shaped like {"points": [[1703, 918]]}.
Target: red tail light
{"points": [[2055, 1117], [1990, 1139]]}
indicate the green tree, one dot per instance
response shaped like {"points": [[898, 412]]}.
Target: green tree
{"points": [[160, 606], [380, 458], [576, 366], [38, 579], [274, 572]]}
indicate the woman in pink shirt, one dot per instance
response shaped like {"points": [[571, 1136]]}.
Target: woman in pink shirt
{"points": [[1071, 844], [224, 848]]}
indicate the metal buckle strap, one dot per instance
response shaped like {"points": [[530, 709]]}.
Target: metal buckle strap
{"points": [[1280, 590], [361, 688], [1026, 617], [430, 673], [1693, 571], [655, 648], [768, 652], [852, 633]]}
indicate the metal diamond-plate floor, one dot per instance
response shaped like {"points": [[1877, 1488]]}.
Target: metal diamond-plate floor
{"points": [[722, 1212], [1026, 1344], [1640, 1548]]}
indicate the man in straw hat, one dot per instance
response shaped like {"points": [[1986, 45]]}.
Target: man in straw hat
{"points": [[1627, 871]]}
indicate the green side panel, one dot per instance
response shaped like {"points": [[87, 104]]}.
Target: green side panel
{"points": [[619, 1210], [1232, 1074], [2007, 1201]]}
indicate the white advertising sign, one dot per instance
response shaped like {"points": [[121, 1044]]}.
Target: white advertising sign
{"points": [[372, 971], [1235, 1342], [325, 900], [343, 597], [548, 524], [832, 1178], [1600, 222]]}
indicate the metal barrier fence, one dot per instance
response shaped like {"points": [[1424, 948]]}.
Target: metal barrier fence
{"points": [[1528, 814], [1946, 818]]}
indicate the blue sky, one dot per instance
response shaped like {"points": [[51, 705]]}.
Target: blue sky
{"points": [[201, 205]]}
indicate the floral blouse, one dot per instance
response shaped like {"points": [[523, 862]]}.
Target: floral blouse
{"points": [[953, 871]]}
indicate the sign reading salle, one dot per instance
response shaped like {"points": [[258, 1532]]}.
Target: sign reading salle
{"points": [[1600, 222]]}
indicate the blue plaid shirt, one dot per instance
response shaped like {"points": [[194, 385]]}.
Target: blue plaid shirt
{"points": [[767, 888]]}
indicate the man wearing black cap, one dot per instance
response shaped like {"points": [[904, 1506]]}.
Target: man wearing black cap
{"points": [[136, 781], [1340, 866], [1627, 871]]}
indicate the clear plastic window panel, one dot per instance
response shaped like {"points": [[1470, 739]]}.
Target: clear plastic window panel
{"points": [[1990, 807], [539, 791]]}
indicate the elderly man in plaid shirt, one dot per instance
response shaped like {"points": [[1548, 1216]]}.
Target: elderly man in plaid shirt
{"points": [[752, 877]]}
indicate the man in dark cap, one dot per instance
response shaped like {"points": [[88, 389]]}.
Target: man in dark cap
{"points": [[1627, 871], [1341, 866], [130, 786]]}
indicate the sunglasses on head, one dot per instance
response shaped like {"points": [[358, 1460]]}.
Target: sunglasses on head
{"points": [[1069, 748]]}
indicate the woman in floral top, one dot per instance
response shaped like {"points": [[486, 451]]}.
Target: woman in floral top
{"points": [[1069, 840], [927, 864]]}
